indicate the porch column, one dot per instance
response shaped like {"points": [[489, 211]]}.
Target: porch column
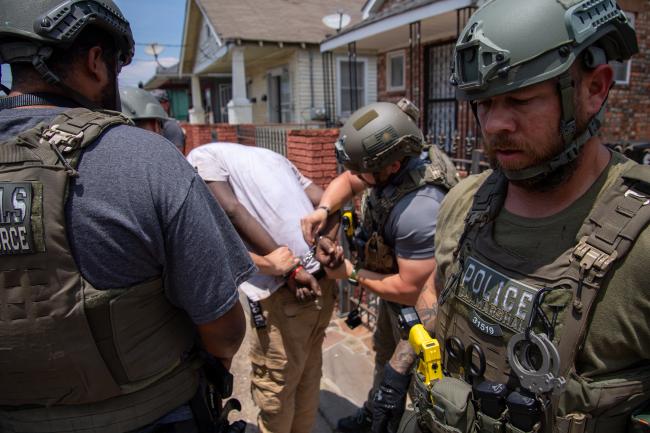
{"points": [[240, 110], [197, 114]]}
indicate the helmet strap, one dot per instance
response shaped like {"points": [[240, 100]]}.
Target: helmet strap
{"points": [[572, 144], [28, 52]]}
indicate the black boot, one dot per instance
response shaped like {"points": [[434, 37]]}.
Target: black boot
{"points": [[359, 422]]}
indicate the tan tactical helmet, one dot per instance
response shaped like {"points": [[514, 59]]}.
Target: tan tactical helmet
{"points": [[378, 134]]}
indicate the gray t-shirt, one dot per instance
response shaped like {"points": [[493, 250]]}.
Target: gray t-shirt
{"points": [[411, 226], [173, 132], [138, 210]]}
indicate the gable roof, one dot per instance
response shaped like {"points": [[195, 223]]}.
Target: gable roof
{"points": [[276, 20]]}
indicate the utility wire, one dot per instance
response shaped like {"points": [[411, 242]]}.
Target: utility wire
{"points": [[158, 43]]}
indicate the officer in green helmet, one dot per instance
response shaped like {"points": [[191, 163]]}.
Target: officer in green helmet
{"points": [[108, 308], [403, 182], [142, 108], [539, 302]]}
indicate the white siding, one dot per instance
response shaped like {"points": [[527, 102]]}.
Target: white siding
{"points": [[370, 94], [303, 87], [207, 47]]}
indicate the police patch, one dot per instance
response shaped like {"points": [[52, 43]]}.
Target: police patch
{"points": [[495, 296], [15, 218]]}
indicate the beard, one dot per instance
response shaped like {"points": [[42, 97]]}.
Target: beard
{"points": [[538, 155], [110, 96], [543, 150]]}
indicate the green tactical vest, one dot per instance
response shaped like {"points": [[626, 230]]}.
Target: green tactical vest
{"points": [[375, 207], [75, 358], [483, 282]]}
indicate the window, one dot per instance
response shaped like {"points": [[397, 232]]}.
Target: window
{"points": [[350, 96], [279, 95], [622, 69], [395, 66]]}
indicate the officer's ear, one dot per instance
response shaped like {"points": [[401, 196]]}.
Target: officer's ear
{"points": [[394, 167], [96, 67], [595, 85]]}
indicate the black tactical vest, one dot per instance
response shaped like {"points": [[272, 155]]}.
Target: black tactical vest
{"points": [[376, 208]]}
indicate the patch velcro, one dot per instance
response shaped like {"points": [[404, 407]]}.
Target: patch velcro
{"points": [[499, 299], [15, 218]]}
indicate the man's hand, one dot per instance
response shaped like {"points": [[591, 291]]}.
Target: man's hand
{"points": [[329, 253], [389, 401], [279, 262], [340, 273], [304, 286], [312, 224]]}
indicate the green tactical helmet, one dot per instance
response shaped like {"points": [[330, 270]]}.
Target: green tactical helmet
{"points": [[29, 28], [511, 44], [139, 104], [377, 135]]}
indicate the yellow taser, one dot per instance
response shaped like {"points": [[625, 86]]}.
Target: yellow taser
{"points": [[428, 352]]}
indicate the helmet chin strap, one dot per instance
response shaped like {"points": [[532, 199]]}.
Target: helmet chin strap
{"points": [[27, 52], [572, 144]]}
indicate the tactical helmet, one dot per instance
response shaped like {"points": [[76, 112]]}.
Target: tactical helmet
{"points": [[139, 104], [379, 134], [160, 94], [511, 44], [29, 28]]}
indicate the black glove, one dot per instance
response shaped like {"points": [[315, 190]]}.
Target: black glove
{"points": [[389, 401]]}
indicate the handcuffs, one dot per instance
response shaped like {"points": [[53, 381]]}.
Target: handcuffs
{"points": [[542, 376]]}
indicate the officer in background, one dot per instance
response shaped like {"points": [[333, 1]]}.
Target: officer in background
{"points": [[143, 109], [172, 130], [542, 275], [384, 153], [104, 289]]}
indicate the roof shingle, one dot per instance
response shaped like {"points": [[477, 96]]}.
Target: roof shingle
{"points": [[277, 20]]}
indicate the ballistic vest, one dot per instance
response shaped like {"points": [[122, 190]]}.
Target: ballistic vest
{"points": [[75, 358], [376, 207], [475, 296]]}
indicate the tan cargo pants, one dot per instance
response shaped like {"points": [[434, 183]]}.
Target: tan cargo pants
{"points": [[287, 358]]}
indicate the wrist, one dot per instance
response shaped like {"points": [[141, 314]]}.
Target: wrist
{"points": [[326, 208], [352, 272], [396, 379], [295, 271]]}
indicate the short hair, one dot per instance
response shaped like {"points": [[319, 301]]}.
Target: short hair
{"points": [[62, 60]]}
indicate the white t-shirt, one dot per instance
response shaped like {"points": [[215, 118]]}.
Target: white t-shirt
{"points": [[270, 187]]}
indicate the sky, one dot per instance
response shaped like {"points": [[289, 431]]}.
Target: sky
{"points": [[152, 21]]}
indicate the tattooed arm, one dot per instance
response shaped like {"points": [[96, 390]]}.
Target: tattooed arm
{"points": [[427, 308]]}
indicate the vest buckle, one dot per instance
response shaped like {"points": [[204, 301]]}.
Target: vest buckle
{"points": [[479, 217], [57, 137], [642, 198], [592, 259]]}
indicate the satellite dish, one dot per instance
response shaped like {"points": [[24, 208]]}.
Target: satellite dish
{"points": [[154, 49], [336, 21]]}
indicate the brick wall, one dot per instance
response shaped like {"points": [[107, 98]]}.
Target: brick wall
{"points": [[196, 135], [246, 134], [312, 152], [628, 112]]}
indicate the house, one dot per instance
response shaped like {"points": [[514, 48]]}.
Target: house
{"points": [[413, 40], [178, 87], [262, 59]]}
